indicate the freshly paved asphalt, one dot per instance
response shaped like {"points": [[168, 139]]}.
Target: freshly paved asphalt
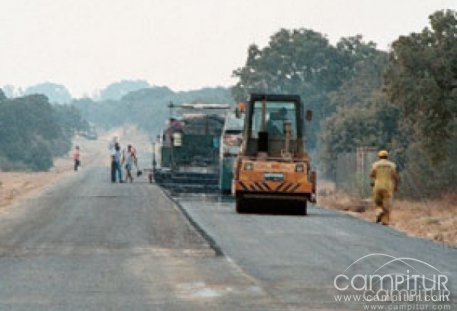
{"points": [[295, 259]]}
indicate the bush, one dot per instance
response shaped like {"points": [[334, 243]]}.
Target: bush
{"points": [[422, 178]]}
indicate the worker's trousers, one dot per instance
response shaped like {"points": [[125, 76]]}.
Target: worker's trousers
{"points": [[383, 202], [116, 168]]}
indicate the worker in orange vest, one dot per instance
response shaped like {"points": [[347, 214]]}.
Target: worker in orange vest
{"points": [[385, 183]]}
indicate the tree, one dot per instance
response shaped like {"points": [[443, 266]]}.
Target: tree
{"points": [[33, 131], [56, 93], [117, 90], [295, 61], [2, 95], [360, 114], [422, 81], [301, 61], [366, 79], [373, 122]]}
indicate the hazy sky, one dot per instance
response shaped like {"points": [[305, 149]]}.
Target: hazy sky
{"points": [[184, 44]]}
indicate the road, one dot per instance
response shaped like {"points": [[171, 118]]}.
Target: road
{"points": [[297, 258], [87, 244]]}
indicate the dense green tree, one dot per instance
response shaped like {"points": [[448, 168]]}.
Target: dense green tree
{"points": [[423, 178], [295, 61], [32, 132], [25, 123], [360, 114], [371, 123], [358, 89], [422, 81], [303, 62]]}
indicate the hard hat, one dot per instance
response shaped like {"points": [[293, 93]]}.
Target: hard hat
{"points": [[383, 153]]}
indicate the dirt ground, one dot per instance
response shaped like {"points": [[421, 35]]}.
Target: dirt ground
{"points": [[17, 186], [431, 219]]}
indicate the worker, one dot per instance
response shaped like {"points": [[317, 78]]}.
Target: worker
{"points": [[385, 183], [77, 159], [275, 122], [174, 126], [129, 159], [116, 163]]}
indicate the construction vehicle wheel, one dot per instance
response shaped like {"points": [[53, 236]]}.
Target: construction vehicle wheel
{"points": [[302, 208], [241, 205]]}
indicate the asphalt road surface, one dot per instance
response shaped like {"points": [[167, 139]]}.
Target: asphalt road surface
{"points": [[296, 259], [88, 244]]}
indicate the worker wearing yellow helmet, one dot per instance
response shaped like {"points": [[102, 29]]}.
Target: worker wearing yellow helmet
{"points": [[385, 183]]}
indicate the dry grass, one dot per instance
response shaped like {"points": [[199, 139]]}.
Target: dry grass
{"points": [[435, 219], [432, 219]]}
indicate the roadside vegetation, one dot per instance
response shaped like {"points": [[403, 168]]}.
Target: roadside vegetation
{"points": [[33, 132]]}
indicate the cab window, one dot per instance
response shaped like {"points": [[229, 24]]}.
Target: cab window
{"points": [[276, 114]]}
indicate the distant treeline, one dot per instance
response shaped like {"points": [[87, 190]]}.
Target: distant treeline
{"points": [[148, 107], [404, 100], [32, 132], [59, 94]]}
